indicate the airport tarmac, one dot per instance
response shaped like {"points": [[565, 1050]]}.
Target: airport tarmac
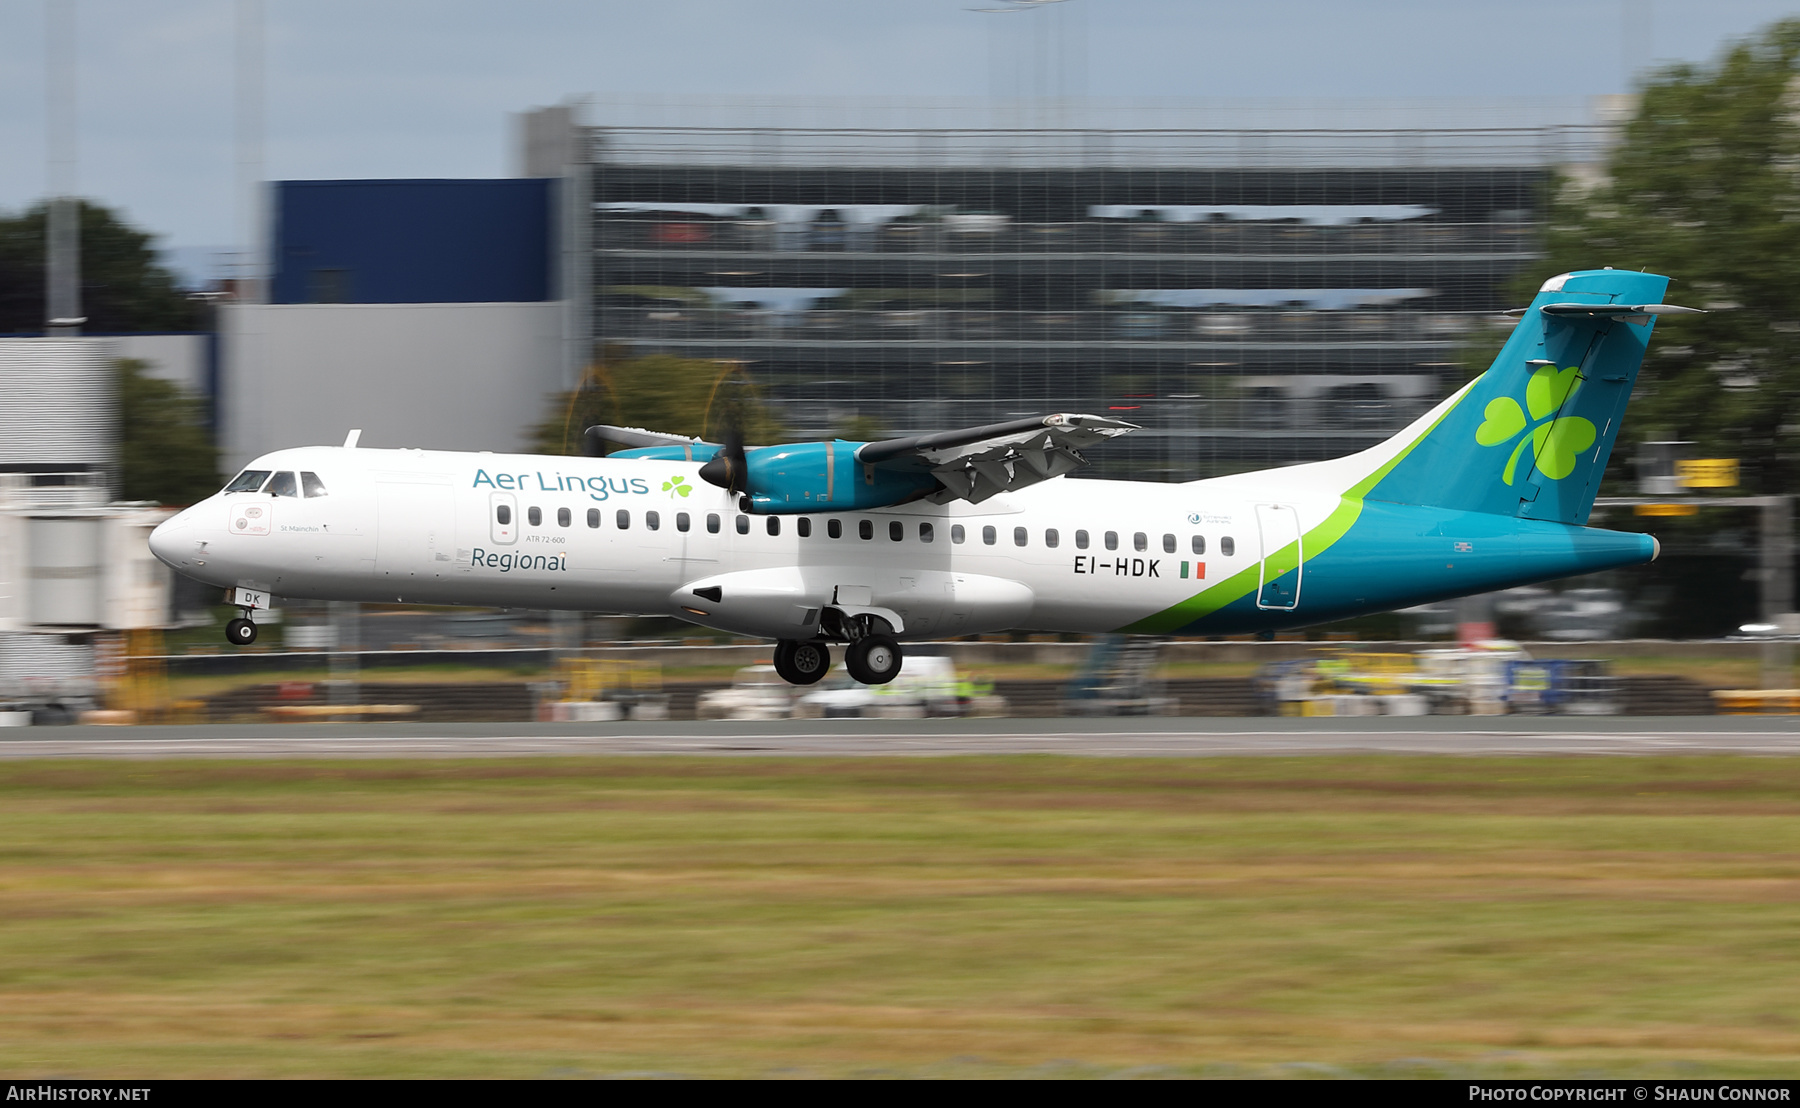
{"points": [[1152, 737]]}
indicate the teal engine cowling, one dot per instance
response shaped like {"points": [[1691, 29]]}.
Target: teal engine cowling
{"points": [[813, 477]]}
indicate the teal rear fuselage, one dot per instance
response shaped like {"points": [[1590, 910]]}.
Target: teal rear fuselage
{"points": [[1490, 490], [1397, 556]]}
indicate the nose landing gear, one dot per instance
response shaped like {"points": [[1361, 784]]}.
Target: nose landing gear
{"points": [[240, 632]]}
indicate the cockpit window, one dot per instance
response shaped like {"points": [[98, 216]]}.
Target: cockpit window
{"points": [[248, 481], [283, 484], [310, 483]]}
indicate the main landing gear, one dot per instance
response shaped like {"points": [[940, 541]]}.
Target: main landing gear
{"points": [[873, 657], [240, 632], [801, 663], [874, 660]]}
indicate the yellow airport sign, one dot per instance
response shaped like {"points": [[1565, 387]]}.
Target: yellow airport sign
{"points": [[1707, 473], [1666, 510]]}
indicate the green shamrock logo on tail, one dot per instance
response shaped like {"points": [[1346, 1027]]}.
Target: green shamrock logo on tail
{"points": [[677, 486], [1555, 443]]}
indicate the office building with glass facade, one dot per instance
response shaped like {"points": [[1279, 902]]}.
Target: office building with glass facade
{"points": [[1251, 297]]}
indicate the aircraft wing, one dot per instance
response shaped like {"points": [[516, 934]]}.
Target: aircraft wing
{"points": [[976, 463], [639, 443]]}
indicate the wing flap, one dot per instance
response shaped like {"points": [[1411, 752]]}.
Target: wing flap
{"points": [[976, 463]]}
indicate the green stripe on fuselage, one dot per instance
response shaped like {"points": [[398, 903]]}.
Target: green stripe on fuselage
{"points": [[1317, 541]]}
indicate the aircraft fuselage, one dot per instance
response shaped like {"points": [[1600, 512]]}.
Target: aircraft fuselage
{"points": [[1257, 552]]}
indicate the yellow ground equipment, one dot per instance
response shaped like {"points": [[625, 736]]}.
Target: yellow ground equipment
{"points": [[134, 680], [600, 689], [1757, 702]]}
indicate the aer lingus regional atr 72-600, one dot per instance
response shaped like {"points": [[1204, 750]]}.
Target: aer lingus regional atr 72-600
{"points": [[870, 544]]}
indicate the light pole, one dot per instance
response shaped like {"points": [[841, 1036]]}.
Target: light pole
{"points": [[62, 270]]}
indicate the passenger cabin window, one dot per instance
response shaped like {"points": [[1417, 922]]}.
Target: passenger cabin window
{"points": [[1112, 540], [774, 525], [534, 516], [593, 517], [311, 485], [925, 534], [896, 530], [681, 521], [502, 514], [564, 517], [283, 484], [834, 528], [803, 525], [743, 525], [1081, 540], [865, 528], [1140, 541], [653, 520], [956, 533], [248, 481], [712, 523], [989, 535], [1019, 536], [623, 520], [1051, 538], [1168, 544], [1199, 544], [1227, 546]]}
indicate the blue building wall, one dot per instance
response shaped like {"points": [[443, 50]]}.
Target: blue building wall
{"points": [[412, 242]]}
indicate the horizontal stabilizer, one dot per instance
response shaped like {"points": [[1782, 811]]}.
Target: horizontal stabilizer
{"points": [[1613, 311]]}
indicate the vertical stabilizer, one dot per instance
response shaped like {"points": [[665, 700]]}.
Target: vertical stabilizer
{"points": [[1531, 436]]}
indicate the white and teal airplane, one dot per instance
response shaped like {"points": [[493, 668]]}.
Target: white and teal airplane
{"points": [[870, 544]]}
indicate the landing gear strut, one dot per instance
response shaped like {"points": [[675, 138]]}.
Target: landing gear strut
{"points": [[240, 632], [801, 663]]}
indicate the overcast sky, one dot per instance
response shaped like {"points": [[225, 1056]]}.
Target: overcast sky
{"points": [[408, 88]]}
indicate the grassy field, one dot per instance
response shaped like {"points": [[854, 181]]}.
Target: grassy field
{"points": [[901, 916]]}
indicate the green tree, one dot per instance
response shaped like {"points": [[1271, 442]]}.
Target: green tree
{"points": [[660, 392], [124, 288], [166, 451], [1705, 186]]}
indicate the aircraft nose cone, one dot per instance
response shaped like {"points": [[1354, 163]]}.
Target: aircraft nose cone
{"points": [[169, 542]]}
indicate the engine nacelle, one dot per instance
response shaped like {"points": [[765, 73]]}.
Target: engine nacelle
{"points": [[825, 477]]}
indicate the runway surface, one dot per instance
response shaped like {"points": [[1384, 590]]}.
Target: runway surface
{"points": [[1158, 737]]}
